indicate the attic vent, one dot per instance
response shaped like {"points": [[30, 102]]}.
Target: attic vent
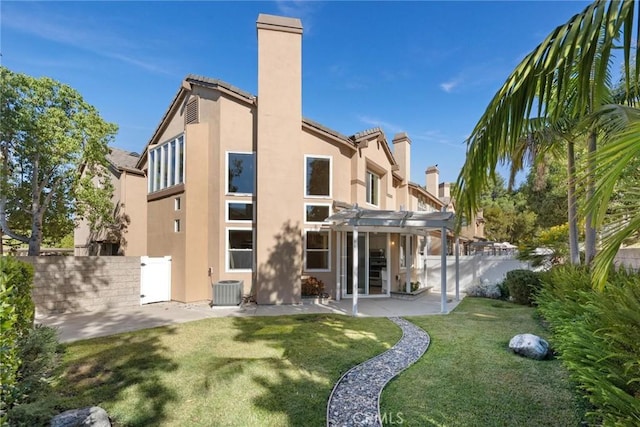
{"points": [[191, 115]]}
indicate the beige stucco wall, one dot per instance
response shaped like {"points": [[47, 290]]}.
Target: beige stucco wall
{"points": [[133, 195], [236, 132], [278, 242]]}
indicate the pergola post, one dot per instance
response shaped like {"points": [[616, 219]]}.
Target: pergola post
{"points": [[355, 272], [338, 266], [407, 263], [443, 270], [457, 268]]}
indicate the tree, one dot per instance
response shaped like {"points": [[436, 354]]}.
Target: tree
{"points": [[53, 148], [507, 215], [565, 76]]}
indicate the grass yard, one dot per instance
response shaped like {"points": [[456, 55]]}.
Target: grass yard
{"points": [[468, 377], [263, 371], [279, 371]]}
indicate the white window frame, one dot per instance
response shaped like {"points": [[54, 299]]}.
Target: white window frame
{"points": [[227, 267], [241, 221], [328, 250], [177, 204], [304, 178], [177, 226], [226, 173], [369, 175], [160, 158], [304, 212]]}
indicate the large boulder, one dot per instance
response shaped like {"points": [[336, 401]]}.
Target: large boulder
{"points": [[529, 345], [93, 416]]}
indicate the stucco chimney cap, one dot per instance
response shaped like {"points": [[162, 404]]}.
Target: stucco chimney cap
{"points": [[432, 169], [279, 23], [401, 136]]}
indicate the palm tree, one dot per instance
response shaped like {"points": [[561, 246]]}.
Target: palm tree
{"points": [[567, 75]]}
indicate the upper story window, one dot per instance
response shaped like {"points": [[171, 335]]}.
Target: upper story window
{"points": [[166, 165], [316, 212], [240, 173], [239, 211], [318, 176], [373, 189]]}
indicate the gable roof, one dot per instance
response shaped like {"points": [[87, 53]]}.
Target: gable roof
{"points": [[366, 135], [122, 159], [221, 86]]}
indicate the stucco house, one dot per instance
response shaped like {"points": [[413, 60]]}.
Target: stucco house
{"points": [[239, 187], [128, 233]]}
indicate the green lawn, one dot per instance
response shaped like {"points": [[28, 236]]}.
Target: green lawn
{"points": [[279, 371], [263, 371], [468, 377]]}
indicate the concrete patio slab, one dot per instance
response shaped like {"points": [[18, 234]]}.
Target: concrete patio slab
{"points": [[85, 325]]}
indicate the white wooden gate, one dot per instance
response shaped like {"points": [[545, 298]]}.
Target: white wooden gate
{"points": [[155, 279]]}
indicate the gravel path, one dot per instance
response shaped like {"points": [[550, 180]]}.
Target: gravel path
{"points": [[355, 399]]}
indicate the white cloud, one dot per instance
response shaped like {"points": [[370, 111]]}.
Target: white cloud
{"points": [[87, 36], [450, 85], [299, 9], [437, 137], [380, 123]]}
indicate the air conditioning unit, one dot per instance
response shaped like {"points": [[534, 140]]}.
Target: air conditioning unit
{"points": [[227, 292]]}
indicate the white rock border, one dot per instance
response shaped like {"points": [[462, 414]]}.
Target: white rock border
{"points": [[355, 399]]}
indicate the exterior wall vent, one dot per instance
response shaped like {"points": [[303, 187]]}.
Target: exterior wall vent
{"points": [[191, 113], [227, 292]]}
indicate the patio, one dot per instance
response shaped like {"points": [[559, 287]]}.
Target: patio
{"points": [[78, 326]]}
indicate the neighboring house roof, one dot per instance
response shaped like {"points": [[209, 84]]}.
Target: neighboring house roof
{"points": [[420, 189], [123, 160]]}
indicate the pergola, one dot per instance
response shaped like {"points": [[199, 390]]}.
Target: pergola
{"points": [[406, 222]]}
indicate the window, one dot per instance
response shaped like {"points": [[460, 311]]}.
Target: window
{"points": [[316, 213], [317, 251], [373, 188], [166, 165], [240, 211], [176, 225], [177, 204], [403, 254], [241, 176], [318, 176], [240, 249]]}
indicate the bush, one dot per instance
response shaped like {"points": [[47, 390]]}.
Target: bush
{"points": [[40, 354], [312, 286], [16, 320], [597, 336], [522, 285], [484, 290]]}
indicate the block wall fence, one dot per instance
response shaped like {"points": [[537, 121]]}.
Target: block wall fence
{"points": [[75, 284]]}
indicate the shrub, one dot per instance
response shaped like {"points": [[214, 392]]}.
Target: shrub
{"points": [[312, 286], [16, 320], [522, 285], [485, 289], [597, 335], [40, 353]]}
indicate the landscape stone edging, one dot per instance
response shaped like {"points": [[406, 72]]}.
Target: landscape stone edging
{"points": [[355, 398]]}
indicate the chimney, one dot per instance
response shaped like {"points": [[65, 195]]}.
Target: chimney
{"points": [[445, 191], [278, 136], [433, 177], [402, 153]]}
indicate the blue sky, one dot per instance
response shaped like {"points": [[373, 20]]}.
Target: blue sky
{"points": [[428, 68]]}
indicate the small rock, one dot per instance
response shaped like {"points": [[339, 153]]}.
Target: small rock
{"points": [[93, 416], [529, 345]]}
